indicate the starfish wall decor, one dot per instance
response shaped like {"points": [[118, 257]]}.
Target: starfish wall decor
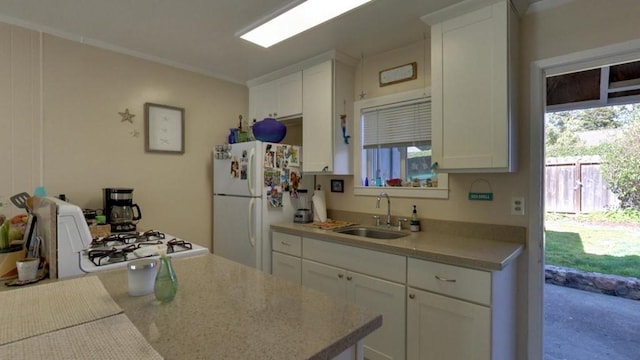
{"points": [[126, 116]]}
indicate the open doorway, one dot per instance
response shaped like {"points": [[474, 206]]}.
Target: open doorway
{"points": [[592, 232], [541, 71]]}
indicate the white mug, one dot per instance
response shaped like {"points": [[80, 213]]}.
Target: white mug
{"points": [[27, 268]]}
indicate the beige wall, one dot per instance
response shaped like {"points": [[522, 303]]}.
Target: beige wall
{"points": [[568, 28], [457, 207], [20, 147], [87, 146], [63, 130]]}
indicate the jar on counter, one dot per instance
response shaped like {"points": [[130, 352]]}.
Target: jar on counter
{"points": [[141, 276]]}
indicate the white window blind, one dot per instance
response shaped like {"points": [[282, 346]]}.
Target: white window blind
{"points": [[395, 125]]}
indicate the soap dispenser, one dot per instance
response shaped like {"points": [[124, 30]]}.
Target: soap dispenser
{"points": [[414, 223]]}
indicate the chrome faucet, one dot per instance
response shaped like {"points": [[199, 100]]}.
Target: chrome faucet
{"points": [[388, 206]]}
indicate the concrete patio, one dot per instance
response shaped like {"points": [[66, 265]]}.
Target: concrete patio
{"points": [[581, 325]]}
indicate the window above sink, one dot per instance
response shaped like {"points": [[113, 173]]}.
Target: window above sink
{"points": [[393, 147]]}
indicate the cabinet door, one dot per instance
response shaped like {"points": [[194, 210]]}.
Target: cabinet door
{"points": [[470, 93], [287, 267], [441, 328], [289, 93], [324, 278], [317, 107], [387, 298], [262, 101]]}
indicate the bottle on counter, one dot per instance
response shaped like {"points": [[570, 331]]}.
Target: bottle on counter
{"points": [[251, 136], [414, 223], [232, 136], [166, 283]]}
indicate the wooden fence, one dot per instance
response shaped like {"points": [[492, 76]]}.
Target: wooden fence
{"points": [[575, 185]]}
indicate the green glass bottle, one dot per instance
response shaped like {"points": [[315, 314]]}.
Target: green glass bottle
{"points": [[166, 284]]}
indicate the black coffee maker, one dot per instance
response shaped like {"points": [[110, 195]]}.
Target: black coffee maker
{"points": [[119, 209]]}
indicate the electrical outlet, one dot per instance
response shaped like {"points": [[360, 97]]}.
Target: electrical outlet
{"points": [[517, 205]]}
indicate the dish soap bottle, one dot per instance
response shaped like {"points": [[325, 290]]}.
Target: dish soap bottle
{"points": [[414, 223], [166, 284]]}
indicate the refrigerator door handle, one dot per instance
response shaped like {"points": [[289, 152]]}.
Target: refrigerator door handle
{"points": [[250, 170], [252, 222]]}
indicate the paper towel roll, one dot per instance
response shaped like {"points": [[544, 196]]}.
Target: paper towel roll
{"points": [[319, 206]]}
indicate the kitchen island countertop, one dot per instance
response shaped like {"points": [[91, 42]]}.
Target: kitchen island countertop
{"points": [[454, 249], [224, 310]]}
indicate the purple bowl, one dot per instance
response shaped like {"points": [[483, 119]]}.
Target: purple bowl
{"points": [[269, 130]]}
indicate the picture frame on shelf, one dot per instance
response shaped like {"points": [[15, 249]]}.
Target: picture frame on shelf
{"points": [[164, 129], [337, 185], [398, 74]]}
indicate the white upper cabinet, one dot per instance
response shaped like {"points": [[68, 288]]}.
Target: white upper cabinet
{"points": [[327, 96], [280, 98], [473, 83], [289, 95], [320, 91]]}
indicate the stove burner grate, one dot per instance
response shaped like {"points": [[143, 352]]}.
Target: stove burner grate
{"points": [[116, 248], [171, 244], [127, 238], [109, 256]]}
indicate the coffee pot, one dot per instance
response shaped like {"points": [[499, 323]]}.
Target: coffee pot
{"points": [[120, 211]]}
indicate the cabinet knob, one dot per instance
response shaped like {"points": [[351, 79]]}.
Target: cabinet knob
{"points": [[340, 276], [349, 278], [285, 243], [412, 296], [275, 114]]}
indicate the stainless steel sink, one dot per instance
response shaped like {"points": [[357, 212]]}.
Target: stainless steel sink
{"points": [[371, 232]]}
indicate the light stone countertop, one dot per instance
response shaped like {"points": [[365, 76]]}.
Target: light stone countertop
{"points": [[454, 249], [224, 310]]}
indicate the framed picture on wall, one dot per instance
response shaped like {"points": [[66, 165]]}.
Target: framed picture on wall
{"points": [[164, 128]]}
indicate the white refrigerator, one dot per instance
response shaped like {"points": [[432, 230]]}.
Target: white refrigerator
{"points": [[254, 185]]}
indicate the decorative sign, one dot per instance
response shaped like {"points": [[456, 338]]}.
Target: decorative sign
{"points": [[486, 195], [480, 196], [399, 74]]}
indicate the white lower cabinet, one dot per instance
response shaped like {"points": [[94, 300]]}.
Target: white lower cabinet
{"points": [[286, 267], [430, 310], [440, 327], [285, 257], [376, 294], [459, 313], [373, 279]]}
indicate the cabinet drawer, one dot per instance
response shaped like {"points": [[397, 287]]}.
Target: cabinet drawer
{"points": [[467, 284], [287, 243], [374, 263]]}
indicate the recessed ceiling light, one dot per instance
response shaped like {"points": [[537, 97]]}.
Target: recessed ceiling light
{"points": [[298, 19]]}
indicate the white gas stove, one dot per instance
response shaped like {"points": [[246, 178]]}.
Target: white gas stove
{"points": [[71, 250], [115, 250]]}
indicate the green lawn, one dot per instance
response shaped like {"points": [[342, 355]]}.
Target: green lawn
{"points": [[593, 248]]}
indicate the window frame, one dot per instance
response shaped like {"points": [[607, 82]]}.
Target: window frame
{"points": [[441, 192]]}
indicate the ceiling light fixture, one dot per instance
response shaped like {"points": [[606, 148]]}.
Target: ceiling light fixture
{"points": [[298, 19]]}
